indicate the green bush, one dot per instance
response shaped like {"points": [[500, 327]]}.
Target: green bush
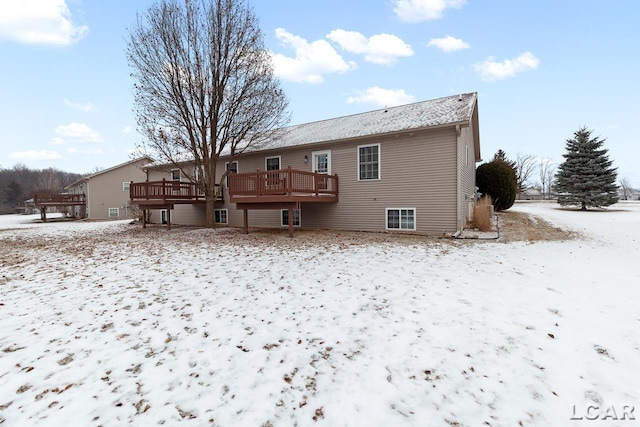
{"points": [[498, 180]]}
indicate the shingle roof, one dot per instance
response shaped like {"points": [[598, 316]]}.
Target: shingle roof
{"points": [[435, 112], [457, 109]]}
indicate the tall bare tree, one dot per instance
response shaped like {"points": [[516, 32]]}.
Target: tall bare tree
{"points": [[525, 166], [49, 181], [204, 86], [546, 170], [626, 188]]}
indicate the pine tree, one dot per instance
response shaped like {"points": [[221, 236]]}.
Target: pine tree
{"points": [[586, 178]]}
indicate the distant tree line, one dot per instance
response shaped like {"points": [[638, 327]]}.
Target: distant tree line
{"points": [[18, 184]]}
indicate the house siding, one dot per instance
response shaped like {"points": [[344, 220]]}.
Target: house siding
{"points": [[103, 191], [416, 172], [430, 168]]}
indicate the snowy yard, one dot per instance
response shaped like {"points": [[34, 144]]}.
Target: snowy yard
{"points": [[107, 324]]}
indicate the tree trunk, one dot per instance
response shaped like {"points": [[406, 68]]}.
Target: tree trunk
{"points": [[210, 203]]}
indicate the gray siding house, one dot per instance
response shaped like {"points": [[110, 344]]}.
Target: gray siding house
{"points": [[408, 169], [107, 192]]}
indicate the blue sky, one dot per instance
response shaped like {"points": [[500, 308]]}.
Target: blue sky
{"points": [[542, 69]]}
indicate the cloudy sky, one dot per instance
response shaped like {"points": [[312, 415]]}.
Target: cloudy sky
{"points": [[542, 69]]}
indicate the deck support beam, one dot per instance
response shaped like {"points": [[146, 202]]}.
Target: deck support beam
{"points": [[245, 227], [290, 211]]}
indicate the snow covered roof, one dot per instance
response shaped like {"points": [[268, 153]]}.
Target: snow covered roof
{"points": [[450, 110], [88, 177], [436, 112]]}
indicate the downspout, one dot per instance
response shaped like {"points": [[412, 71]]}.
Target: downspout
{"points": [[458, 178]]}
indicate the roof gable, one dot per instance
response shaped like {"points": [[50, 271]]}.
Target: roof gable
{"points": [[130, 162], [451, 110]]}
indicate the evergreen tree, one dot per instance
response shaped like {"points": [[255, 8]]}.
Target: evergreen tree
{"points": [[501, 155], [498, 180], [586, 178]]}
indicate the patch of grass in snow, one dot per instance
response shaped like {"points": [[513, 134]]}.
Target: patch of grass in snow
{"points": [[518, 226]]}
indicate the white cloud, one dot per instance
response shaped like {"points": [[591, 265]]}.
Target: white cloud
{"points": [[127, 129], [311, 62], [381, 97], [491, 71], [449, 44], [378, 49], [36, 155], [76, 133], [423, 10], [39, 22]]}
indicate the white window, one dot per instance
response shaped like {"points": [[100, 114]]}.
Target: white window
{"points": [[114, 212], [368, 162], [272, 163], [401, 218], [220, 216], [466, 154], [232, 168], [125, 186], [284, 216], [175, 175]]}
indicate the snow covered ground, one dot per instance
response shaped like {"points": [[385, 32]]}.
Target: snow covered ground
{"points": [[104, 323]]}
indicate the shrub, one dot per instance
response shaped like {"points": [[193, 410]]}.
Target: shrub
{"points": [[498, 180], [482, 214]]}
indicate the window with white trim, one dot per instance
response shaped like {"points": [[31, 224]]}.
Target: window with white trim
{"points": [[272, 163], [125, 186], [368, 162], [114, 212], [175, 175], [284, 217], [232, 168], [401, 219], [220, 216]]}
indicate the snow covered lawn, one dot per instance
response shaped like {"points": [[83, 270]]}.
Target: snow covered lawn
{"points": [[104, 323]]}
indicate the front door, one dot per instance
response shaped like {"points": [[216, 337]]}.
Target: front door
{"points": [[322, 164]]}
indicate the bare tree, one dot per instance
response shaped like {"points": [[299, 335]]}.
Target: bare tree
{"points": [[546, 173], [525, 166], [49, 181], [626, 188], [204, 86]]}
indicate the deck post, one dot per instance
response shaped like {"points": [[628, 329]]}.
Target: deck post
{"points": [[245, 213], [43, 213], [168, 219], [290, 222], [289, 181], [144, 218]]}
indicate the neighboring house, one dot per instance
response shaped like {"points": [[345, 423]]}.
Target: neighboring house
{"points": [[408, 168], [531, 194], [107, 192]]}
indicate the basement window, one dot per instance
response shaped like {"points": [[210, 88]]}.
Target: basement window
{"points": [[401, 219]]}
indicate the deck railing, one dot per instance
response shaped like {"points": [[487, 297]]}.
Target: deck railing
{"points": [[165, 190], [58, 199], [282, 182]]}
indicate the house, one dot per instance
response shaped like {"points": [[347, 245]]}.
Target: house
{"points": [[409, 168], [106, 193]]}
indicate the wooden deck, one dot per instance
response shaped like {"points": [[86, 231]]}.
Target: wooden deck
{"points": [[280, 189], [44, 200], [164, 194], [282, 186], [58, 199]]}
